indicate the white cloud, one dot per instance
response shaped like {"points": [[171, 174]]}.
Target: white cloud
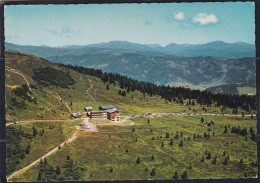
{"points": [[203, 18], [179, 16]]}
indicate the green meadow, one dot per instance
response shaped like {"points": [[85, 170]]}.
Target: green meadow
{"points": [[119, 147]]}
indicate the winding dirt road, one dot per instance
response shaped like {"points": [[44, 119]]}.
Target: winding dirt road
{"points": [[19, 73], [186, 114], [67, 106], [91, 86], [28, 84], [73, 137], [22, 75], [93, 128], [40, 120]]}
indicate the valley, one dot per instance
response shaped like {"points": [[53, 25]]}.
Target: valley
{"points": [[193, 66]]}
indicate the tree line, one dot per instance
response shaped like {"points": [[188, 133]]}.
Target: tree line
{"points": [[246, 102]]}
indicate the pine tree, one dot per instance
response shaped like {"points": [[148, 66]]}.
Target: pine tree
{"points": [[111, 169], [176, 176], [58, 172], [181, 143], [193, 103], [152, 158], [45, 161], [153, 173], [202, 159], [171, 142], [27, 151], [39, 176], [35, 132], [138, 161], [209, 155], [167, 135], [184, 175], [226, 161], [245, 175], [148, 121], [241, 161], [226, 130], [202, 120], [214, 160], [176, 135], [162, 145]]}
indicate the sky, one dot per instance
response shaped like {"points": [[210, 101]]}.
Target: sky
{"points": [[157, 23]]}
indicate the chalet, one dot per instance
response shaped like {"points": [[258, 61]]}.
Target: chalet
{"points": [[113, 115], [76, 115], [106, 112], [89, 108], [98, 114]]}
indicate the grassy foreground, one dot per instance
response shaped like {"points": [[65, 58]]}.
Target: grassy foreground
{"points": [[113, 152]]}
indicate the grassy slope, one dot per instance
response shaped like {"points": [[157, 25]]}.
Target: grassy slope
{"points": [[97, 152]]}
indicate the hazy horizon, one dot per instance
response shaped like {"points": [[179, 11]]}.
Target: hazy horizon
{"points": [[132, 43]]}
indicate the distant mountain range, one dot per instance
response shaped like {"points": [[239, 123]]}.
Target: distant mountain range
{"points": [[214, 49], [196, 66]]}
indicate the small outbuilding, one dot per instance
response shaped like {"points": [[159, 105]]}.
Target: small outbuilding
{"points": [[84, 126], [76, 115], [107, 107], [89, 108]]}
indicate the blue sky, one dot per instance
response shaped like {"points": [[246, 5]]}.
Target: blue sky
{"points": [[194, 23]]}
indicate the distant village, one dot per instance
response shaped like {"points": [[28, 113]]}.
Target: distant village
{"points": [[105, 112]]}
